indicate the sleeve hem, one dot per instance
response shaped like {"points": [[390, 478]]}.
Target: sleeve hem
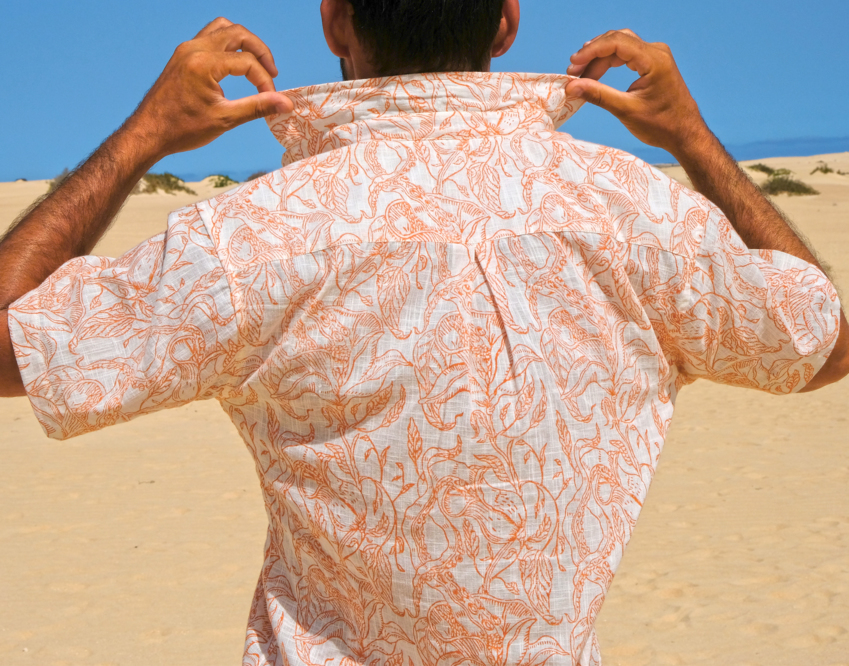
{"points": [[31, 370], [818, 359]]}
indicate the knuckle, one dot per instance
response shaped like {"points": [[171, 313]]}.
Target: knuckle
{"points": [[248, 57], [665, 52], [627, 32], [195, 61]]}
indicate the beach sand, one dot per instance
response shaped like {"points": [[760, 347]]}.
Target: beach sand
{"points": [[141, 544]]}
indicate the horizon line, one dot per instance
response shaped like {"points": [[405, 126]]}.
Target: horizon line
{"points": [[742, 152]]}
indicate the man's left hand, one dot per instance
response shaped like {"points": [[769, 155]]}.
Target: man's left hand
{"points": [[658, 108]]}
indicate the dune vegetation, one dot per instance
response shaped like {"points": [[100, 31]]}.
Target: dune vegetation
{"points": [[219, 180], [58, 180], [781, 181], [786, 184], [164, 182]]}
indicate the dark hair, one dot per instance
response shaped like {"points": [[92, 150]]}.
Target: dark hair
{"points": [[414, 36]]}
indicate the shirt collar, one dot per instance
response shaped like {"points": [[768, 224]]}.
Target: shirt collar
{"points": [[456, 106]]}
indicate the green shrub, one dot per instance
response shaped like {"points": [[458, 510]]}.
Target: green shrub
{"points": [[822, 167], [58, 180], [763, 168], [166, 182], [222, 181], [784, 184]]}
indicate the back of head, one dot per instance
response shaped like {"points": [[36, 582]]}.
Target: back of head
{"points": [[412, 36]]}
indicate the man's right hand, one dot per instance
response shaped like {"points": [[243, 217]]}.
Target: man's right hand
{"points": [[658, 108], [186, 108]]}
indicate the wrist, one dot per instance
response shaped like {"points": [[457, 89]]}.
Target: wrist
{"points": [[696, 146], [138, 148]]}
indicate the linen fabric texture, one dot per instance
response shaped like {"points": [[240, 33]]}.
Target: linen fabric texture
{"points": [[451, 339]]}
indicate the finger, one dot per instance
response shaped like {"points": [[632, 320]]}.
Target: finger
{"points": [[578, 69], [217, 24], [633, 51], [615, 101], [238, 37], [624, 31], [240, 63], [240, 111], [596, 68]]}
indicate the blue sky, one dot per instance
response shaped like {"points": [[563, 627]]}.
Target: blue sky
{"points": [[770, 72]]}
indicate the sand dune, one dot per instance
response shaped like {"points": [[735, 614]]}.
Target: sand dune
{"points": [[141, 544]]}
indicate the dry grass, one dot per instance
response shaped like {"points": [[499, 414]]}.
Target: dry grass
{"points": [[784, 184], [822, 167], [222, 181], [58, 180], [165, 182], [763, 168], [781, 181]]}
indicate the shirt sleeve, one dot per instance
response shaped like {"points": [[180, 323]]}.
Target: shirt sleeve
{"points": [[751, 318], [102, 341]]}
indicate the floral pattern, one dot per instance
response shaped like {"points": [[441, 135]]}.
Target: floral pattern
{"points": [[452, 339]]}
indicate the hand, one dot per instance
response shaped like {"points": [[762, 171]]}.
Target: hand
{"points": [[658, 108], [186, 108]]}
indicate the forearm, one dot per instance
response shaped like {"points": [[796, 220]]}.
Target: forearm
{"points": [[70, 221], [716, 175]]}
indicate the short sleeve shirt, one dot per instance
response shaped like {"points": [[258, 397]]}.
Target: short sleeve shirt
{"points": [[452, 339]]}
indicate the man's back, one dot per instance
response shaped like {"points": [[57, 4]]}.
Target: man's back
{"points": [[452, 339]]}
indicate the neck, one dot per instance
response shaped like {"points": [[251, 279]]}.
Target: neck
{"points": [[354, 69]]}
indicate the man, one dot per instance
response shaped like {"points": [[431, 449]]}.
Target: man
{"points": [[451, 337]]}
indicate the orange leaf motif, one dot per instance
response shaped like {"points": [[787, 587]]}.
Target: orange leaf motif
{"points": [[332, 192], [486, 184], [414, 441], [537, 574], [393, 286], [113, 322], [251, 323]]}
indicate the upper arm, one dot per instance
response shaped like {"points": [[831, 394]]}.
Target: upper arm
{"points": [[102, 341], [11, 384], [837, 365], [756, 319]]}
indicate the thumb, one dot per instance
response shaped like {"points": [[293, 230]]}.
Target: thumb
{"points": [[615, 101], [264, 104]]}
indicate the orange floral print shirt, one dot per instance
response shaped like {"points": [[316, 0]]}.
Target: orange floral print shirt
{"points": [[452, 339]]}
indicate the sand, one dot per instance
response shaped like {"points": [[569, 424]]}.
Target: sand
{"points": [[141, 544]]}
